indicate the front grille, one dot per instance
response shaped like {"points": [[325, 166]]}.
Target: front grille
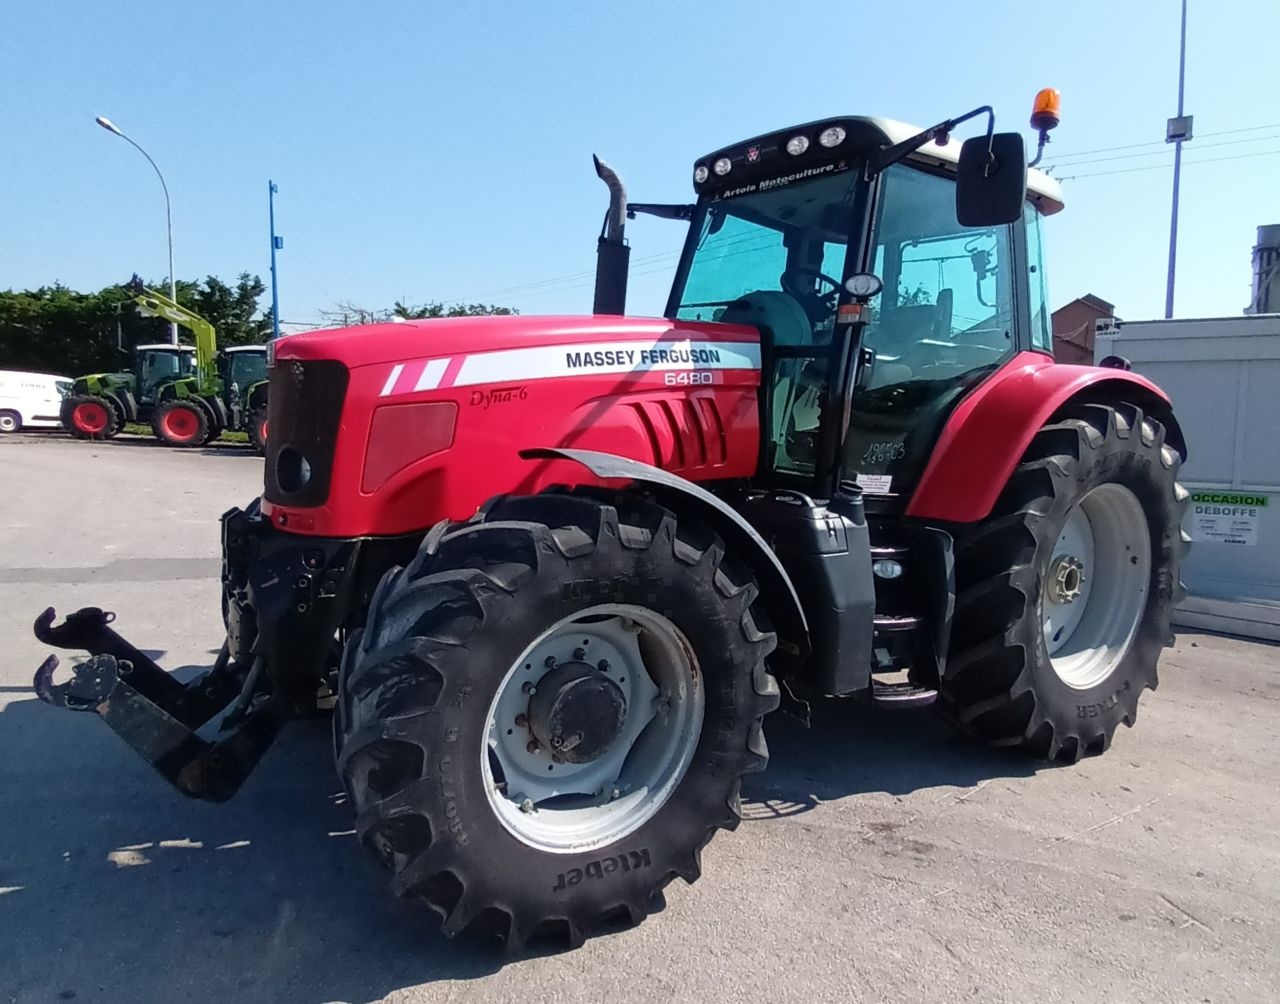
{"points": [[303, 413]]}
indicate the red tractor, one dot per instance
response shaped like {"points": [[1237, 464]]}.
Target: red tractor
{"points": [[552, 573]]}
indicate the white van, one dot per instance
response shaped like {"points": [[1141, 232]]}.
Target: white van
{"points": [[31, 400]]}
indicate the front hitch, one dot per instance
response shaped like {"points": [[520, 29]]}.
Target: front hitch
{"points": [[160, 717]]}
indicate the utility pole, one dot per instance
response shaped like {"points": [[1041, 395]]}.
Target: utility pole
{"points": [[1177, 131], [277, 244]]}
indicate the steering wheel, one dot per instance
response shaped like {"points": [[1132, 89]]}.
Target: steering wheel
{"points": [[818, 306]]}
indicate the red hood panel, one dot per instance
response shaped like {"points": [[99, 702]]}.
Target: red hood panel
{"points": [[381, 343]]}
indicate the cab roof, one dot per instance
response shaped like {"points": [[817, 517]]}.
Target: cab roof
{"points": [[765, 155]]}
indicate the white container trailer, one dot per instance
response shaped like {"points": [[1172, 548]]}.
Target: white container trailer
{"points": [[1223, 375]]}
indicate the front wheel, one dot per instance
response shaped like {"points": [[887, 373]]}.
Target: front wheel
{"points": [[550, 712], [90, 416], [180, 422], [258, 430], [1064, 594]]}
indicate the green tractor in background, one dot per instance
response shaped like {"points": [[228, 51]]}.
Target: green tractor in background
{"points": [[189, 395], [99, 404]]}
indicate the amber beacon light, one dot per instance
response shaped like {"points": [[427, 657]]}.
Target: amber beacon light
{"points": [[1046, 113]]}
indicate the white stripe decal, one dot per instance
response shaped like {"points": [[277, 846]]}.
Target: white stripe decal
{"points": [[431, 374], [547, 361], [390, 385]]}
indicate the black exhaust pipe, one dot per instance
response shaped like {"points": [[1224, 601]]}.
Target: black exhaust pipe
{"points": [[613, 256]]}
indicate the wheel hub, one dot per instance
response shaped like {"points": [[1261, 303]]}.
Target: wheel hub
{"points": [[1066, 579], [577, 711]]}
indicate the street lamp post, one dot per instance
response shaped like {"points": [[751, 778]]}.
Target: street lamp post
{"points": [[111, 127]]}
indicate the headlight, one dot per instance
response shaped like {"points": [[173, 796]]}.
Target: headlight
{"points": [[700, 174], [832, 136], [722, 166], [797, 145]]}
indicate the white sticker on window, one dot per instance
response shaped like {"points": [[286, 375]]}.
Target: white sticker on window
{"points": [[875, 484]]}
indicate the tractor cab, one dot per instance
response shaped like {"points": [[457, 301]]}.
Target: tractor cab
{"points": [[155, 365], [243, 366], [782, 224]]}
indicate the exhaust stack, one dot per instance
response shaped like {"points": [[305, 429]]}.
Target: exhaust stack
{"points": [[1266, 272], [613, 256]]}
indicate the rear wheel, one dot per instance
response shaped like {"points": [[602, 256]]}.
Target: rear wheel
{"points": [[550, 712], [1064, 594], [258, 430], [10, 421], [90, 416], [180, 422]]}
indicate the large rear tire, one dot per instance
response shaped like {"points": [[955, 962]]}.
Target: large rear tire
{"points": [[181, 422], [506, 773], [10, 421], [1064, 593]]}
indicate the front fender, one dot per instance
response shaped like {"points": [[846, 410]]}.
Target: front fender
{"points": [[986, 436], [679, 495]]}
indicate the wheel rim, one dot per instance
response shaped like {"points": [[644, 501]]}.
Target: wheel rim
{"points": [[8, 423], [631, 766], [1095, 585], [90, 417], [180, 423]]}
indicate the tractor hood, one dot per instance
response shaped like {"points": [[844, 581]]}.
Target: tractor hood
{"points": [[370, 344]]}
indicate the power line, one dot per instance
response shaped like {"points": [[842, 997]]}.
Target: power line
{"points": [[1165, 167], [1160, 142], [1161, 153]]}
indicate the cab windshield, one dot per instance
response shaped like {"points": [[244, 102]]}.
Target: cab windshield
{"points": [[774, 259]]}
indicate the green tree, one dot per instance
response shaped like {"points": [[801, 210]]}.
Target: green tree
{"points": [[61, 330], [347, 314]]}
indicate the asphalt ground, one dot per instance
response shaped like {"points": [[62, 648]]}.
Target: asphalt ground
{"points": [[882, 858]]}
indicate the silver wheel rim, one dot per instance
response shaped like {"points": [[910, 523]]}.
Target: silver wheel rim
{"points": [[564, 807], [1095, 585], [8, 423]]}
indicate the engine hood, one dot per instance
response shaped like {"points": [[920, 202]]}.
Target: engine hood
{"points": [[368, 344]]}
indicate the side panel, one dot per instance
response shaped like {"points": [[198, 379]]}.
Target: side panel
{"points": [[987, 434]]}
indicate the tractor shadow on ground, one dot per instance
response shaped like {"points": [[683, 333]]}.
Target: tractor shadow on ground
{"points": [[115, 887], [852, 749]]}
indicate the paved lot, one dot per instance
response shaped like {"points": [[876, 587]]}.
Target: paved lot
{"points": [[883, 859]]}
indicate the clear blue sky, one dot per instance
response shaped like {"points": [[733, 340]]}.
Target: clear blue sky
{"points": [[443, 151]]}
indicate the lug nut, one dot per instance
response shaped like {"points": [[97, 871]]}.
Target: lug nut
{"points": [[526, 805], [533, 746], [550, 662], [579, 654], [603, 665], [522, 720], [528, 688], [557, 758]]}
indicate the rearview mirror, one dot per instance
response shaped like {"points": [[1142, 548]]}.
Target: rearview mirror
{"points": [[991, 186]]}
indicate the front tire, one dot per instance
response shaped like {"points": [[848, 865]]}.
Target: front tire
{"points": [[258, 430], [1064, 594], [449, 741], [90, 416], [180, 422]]}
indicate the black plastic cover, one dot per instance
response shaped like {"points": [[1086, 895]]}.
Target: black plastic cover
{"points": [[826, 552]]}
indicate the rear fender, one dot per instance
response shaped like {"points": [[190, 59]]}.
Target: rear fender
{"points": [[989, 432], [776, 589]]}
